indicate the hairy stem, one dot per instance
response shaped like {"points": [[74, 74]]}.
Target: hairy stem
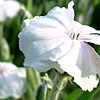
{"points": [[33, 81], [59, 83]]}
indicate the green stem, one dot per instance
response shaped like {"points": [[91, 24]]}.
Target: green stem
{"points": [[31, 86], [4, 47], [33, 81], [42, 91], [1, 30], [59, 83], [27, 13]]}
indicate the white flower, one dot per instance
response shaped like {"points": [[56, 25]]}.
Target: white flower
{"points": [[12, 80], [57, 41], [8, 9]]}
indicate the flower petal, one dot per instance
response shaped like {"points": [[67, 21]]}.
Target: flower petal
{"points": [[86, 33], [86, 30], [27, 22], [63, 15], [81, 62], [38, 39], [69, 58], [38, 47], [43, 34], [92, 39], [89, 34], [89, 61], [12, 81], [87, 83]]}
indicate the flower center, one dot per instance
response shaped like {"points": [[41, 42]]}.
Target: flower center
{"points": [[74, 36], [75, 33]]}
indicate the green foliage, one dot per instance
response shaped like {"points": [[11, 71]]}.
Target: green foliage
{"points": [[74, 94]]}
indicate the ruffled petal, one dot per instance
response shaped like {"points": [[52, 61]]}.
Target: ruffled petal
{"points": [[38, 47], [89, 34], [12, 81], [92, 38], [68, 60], [86, 33], [87, 83], [88, 61], [87, 66], [87, 30], [38, 39], [27, 22], [44, 34], [63, 15], [81, 62]]}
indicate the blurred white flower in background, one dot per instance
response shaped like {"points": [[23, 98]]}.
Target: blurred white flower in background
{"points": [[57, 41], [8, 9], [12, 80]]}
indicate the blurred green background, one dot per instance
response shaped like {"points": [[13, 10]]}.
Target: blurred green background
{"points": [[86, 12]]}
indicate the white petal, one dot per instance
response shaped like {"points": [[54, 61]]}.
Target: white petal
{"points": [[26, 22], [38, 39], [88, 61], [1, 1], [46, 24], [87, 83], [92, 39], [86, 30], [89, 34], [69, 58], [38, 49], [44, 34], [81, 61], [8, 9], [12, 80], [63, 15]]}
